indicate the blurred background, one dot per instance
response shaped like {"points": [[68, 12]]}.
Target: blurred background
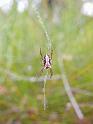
{"points": [[69, 24]]}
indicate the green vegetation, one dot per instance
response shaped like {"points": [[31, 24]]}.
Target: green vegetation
{"points": [[21, 38]]}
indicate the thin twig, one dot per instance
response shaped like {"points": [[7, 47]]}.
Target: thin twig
{"points": [[44, 90], [69, 92], [16, 77], [36, 11], [82, 91]]}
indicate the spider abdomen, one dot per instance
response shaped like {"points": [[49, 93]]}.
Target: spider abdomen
{"points": [[47, 61]]}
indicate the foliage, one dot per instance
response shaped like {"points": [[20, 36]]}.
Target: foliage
{"points": [[21, 38]]}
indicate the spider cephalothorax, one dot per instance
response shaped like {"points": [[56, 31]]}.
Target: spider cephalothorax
{"points": [[47, 62]]}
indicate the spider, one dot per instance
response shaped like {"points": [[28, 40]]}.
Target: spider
{"points": [[47, 62]]}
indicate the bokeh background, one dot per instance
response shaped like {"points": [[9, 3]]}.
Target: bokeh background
{"points": [[69, 24]]}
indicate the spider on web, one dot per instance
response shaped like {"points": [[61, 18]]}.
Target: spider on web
{"points": [[47, 62]]}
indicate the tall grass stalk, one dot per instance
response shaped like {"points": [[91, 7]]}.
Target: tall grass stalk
{"points": [[68, 90], [48, 46]]}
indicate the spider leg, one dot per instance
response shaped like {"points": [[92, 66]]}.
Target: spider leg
{"points": [[41, 53], [42, 70], [39, 73], [51, 72]]}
